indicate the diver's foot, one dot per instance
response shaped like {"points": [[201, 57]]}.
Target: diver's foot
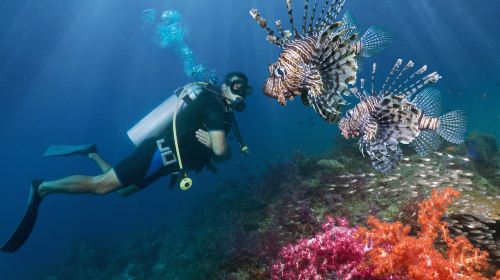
{"points": [[92, 149], [36, 195]]}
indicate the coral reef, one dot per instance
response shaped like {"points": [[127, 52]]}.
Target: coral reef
{"points": [[239, 229]]}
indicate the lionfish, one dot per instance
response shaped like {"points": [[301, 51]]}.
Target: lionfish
{"points": [[407, 112], [319, 63]]}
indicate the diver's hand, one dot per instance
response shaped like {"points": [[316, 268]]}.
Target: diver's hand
{"points": [[204, 138]]}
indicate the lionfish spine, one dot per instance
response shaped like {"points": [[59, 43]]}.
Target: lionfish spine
{"points": [[374, 70], [333, 42], [418, 72], [290, 15], [304, 18], [339, 4], [263, 24], [394, 70], [431, 78], [408, 65], [328, 16], [311, 21], [354, 90], [337, 55], [280, 28], [319, 19]]}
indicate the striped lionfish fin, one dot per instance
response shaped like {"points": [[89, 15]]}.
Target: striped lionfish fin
{"points": [[453, 126], [429, 101], [290, 15], [374, 40], [304, 18], [329, 11], [411, 84], [349, 23], [427, 141], [271, 37], [327, 105], [331, 14], [304, 98], [311, 20], [335, 58], [384, 155], [398, 119]]}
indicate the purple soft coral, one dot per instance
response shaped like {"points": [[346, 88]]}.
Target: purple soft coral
{"points": [[334, 251]]}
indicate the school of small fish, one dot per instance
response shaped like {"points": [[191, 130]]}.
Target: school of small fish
{"points": [[475, 214]]}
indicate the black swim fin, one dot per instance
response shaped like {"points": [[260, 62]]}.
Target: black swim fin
{"points": [[69, 150], [24, 229]]}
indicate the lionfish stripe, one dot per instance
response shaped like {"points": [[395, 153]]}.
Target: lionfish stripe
{"points": [[428, 123]]}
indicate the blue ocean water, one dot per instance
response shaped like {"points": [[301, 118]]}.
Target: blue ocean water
{"points": [[76, 72]]}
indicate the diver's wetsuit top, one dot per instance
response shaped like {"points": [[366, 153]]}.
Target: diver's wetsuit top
{"points": [[207, 112]]}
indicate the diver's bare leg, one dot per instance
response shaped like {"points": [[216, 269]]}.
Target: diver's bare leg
{"points": [[101, 184], [103, 164]]}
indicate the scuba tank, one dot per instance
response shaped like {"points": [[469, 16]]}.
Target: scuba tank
{"points": [[157, 120]]}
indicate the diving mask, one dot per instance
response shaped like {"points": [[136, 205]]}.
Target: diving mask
{"points": [[240, 88]]}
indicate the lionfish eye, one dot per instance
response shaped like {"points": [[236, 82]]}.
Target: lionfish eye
{"points": [[279, 71]]}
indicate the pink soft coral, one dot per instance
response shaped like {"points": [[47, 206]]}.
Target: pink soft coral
{"points": [[334, 251]]}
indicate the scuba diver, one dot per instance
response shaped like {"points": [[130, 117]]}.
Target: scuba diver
{"points": [[186, 132]]}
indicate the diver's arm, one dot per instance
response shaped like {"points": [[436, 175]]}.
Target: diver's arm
{"points": [[220, 147]]}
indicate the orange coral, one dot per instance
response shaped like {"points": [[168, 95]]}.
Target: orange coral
{"points": [[394, 252]]}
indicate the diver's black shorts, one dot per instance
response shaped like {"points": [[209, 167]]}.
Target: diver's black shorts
{"points": [[144, 165]]}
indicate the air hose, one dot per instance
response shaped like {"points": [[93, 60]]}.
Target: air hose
{"points": [[185, 182]]}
